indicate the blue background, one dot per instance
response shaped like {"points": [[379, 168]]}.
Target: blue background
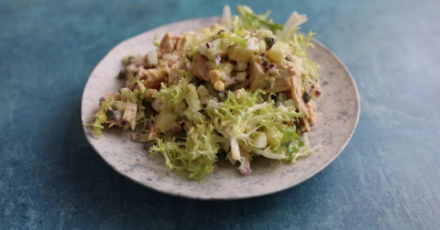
{"points": [[386, 178]]}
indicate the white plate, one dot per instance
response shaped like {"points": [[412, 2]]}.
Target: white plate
{"points": [[339, 114]]}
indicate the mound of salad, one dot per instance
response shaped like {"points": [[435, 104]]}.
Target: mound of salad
{"points": [[244, 88]]}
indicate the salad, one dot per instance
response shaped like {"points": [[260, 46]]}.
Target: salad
{"points": [[241, 89]]}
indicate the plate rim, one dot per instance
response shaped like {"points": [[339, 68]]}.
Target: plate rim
{"points": [[177, 194]]}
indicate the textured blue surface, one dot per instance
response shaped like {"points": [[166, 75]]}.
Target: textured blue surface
{"points": [[386, 178]]}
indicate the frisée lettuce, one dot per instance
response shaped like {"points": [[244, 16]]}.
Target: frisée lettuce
{"points": [[238, 90]]}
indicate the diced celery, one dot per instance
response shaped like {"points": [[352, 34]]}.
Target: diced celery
{"points": [[165, 120], [192, 99], [194, 116], [273, 136], [125, 94], [180, 108]]}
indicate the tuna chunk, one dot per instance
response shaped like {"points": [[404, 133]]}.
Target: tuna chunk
{"points": [[174, 73], [256, 72], [200, 67], [308, 109], [182, 45], [259, 80], [311, 109], [153, 78], [168, 43], [297, 92]]}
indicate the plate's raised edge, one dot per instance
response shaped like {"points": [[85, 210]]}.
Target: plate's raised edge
{"points": [[340, 151], [223, 198], [351, 134]]}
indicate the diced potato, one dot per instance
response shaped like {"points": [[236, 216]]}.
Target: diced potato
{"points": [[278, 52], [244, 54], [263, 33], [262, 45], [214, 49], [226, 67], [238, 53], [241, 76], [151, 58], [241, 66], [212, 53], [217, 46], [203, 49], [211, 65], [224, 45]]}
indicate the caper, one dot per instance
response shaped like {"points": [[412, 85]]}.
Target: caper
{"points": [[127, 59], [306, 97], [236, 86], [273, 97], [270, 41], [222, 95], [149, 110], [121, 75], [113, 115], [196, 81], [110, 114], [220, 31], [289, 58]]}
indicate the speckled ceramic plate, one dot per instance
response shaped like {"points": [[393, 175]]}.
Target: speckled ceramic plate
{"points": [[339, 114]]}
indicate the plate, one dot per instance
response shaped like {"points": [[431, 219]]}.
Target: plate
{"points": [[338, 117]]}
